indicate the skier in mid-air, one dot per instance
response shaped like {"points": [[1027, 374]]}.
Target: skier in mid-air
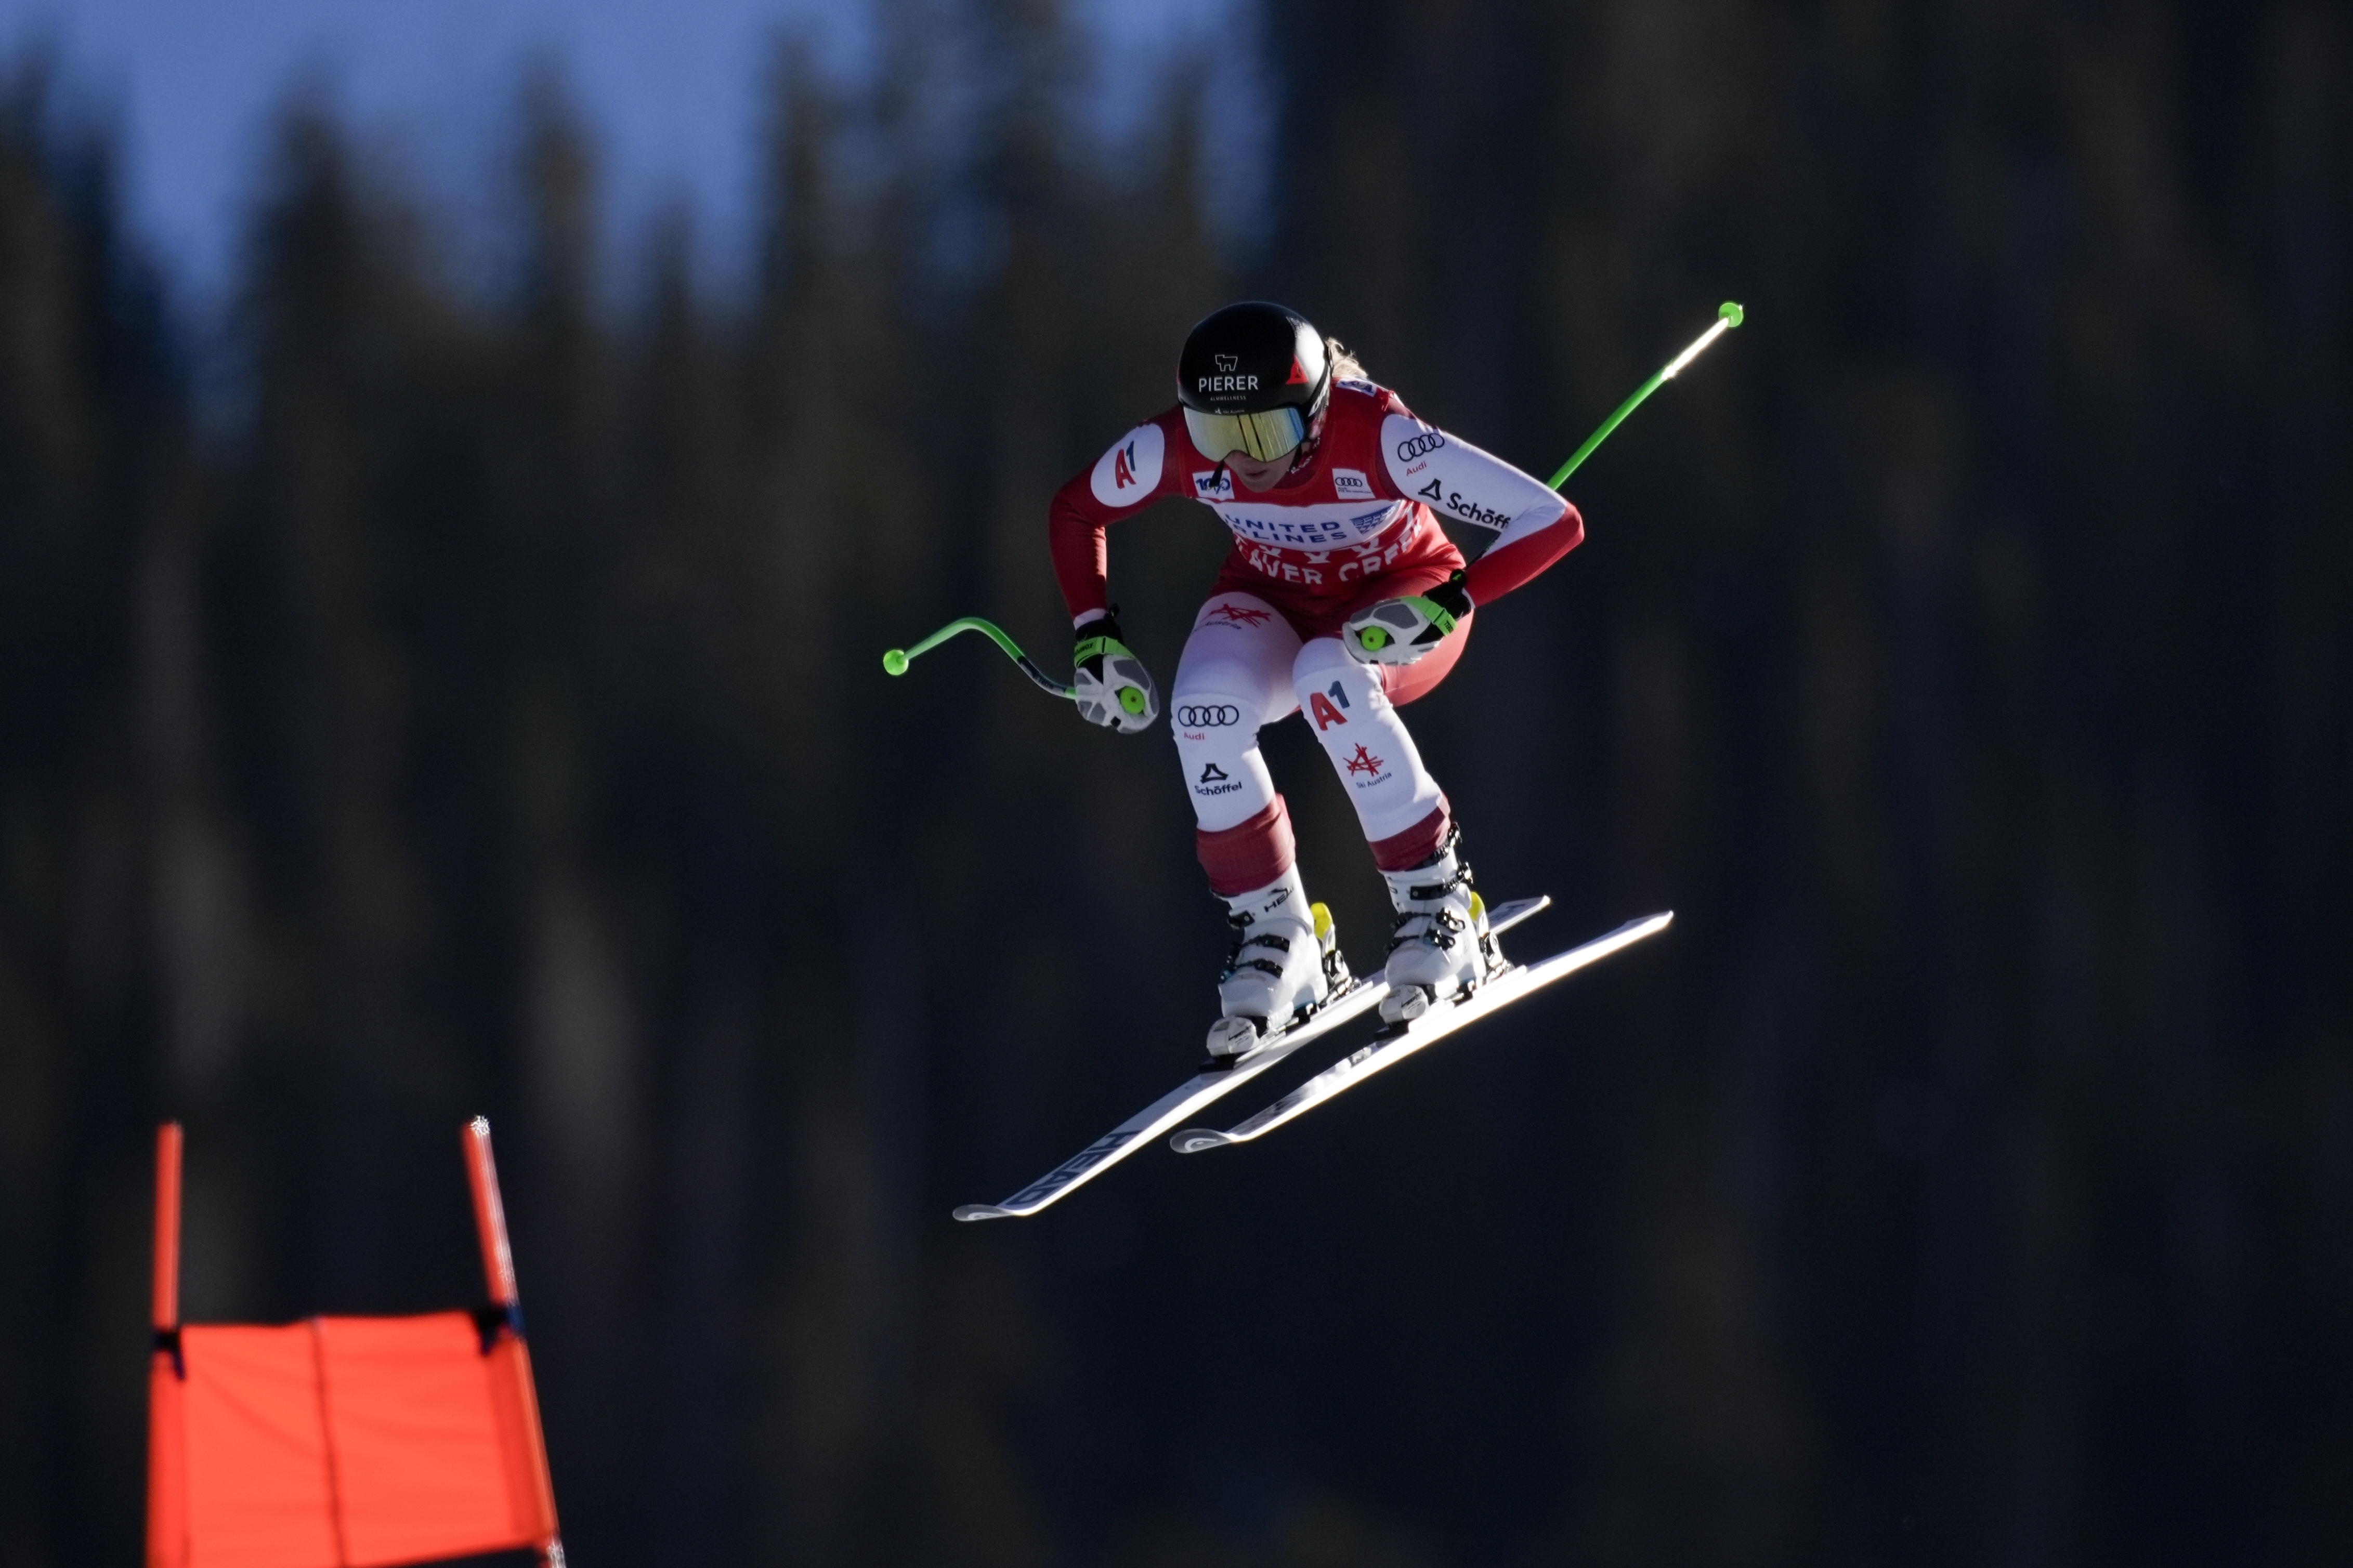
{"points": [[1342, 597]]}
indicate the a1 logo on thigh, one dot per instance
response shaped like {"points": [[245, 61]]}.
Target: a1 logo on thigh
{"points": [[1319, 704]]}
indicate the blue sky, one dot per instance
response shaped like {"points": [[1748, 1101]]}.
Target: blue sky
{"points": [[671, 89]]}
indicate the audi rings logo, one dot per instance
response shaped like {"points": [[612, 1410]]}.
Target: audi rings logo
{"points": [[1415, 446], [1210, 716]]}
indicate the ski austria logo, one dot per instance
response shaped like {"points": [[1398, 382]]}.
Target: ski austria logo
{"points": [[1413, 447], [1130, 472], [1350, 484], [1209, 715]]}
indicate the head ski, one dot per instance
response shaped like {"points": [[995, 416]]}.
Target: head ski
{"points": [[1208, 1085], [1498, 992]]}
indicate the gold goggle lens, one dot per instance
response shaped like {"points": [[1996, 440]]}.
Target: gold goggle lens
{"points": [[1267, 436]]}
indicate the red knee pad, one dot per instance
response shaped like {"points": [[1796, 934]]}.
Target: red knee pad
{"points": [[1248, 856], [1404, 851]]}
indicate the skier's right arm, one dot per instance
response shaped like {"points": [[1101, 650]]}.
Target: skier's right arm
{"points": [[1114, 687]]}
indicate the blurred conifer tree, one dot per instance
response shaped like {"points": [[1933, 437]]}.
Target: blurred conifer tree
{"points": [[485, 716]]}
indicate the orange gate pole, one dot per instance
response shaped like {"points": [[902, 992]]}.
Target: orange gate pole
{"points": [[167, 1467], [534, 1489]]}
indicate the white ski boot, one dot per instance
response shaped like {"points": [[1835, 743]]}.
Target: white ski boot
{"points": [[1285, 962], [1440, 946]]}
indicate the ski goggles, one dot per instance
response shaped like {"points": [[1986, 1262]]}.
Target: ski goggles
{"points": [[1274, 434]]}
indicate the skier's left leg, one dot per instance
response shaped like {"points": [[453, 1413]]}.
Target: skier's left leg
{"points": [[1440, 944]]}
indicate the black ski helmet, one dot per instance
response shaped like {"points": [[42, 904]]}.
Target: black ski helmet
{"points": [[1246, 361]]}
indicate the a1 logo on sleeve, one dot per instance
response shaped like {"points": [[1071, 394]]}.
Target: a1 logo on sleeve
{"points": [[1350, 484], [1130, 472]]}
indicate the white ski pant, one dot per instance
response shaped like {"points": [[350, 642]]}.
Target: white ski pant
{"points": [[1243, 668]]}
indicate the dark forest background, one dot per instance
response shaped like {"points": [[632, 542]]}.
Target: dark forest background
{"points": [[478, 709]]}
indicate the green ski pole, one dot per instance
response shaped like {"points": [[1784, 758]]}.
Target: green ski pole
{"points": [[1727, 316], [895, 659]]}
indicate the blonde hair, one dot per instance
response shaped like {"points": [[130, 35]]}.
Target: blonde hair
{"points": [[1345, 365]]}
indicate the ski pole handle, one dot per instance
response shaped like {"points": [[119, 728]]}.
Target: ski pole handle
{"points": [[895, 659], [1727, 316]]}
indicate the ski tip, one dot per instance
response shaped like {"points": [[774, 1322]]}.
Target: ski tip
{"points": [[1193, 1139], [1511, 912], [969, 1211]]}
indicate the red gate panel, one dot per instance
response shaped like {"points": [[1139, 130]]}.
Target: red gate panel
{"points": [[345, 1442]]}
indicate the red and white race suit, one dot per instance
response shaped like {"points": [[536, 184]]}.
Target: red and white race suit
{"points": [[1354, 523]]}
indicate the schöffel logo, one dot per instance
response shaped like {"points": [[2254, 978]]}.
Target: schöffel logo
{"points": [[1413, 447], [1214, 782], [1471, 510], [1208, 716]]}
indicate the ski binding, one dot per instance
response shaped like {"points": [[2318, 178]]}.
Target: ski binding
{"points": [[1509, 984], [1209, 1084]]}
